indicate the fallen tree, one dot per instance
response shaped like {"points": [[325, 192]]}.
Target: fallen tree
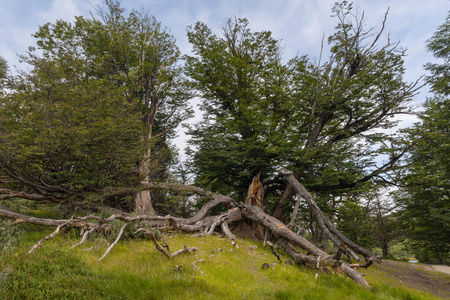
{"points": [[248, 212]]}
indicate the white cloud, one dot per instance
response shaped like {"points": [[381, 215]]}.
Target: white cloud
{"points": [[299, 23], [59, 9]]}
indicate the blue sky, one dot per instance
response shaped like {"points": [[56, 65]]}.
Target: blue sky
{"points": [[300, 24]]}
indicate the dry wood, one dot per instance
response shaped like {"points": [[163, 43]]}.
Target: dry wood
{"points": [[327, 262], [278, 228], [188, 250], [255, 194], [288, 236], [274, 251], [84, 238], [206, 225], [50, 236], [115, 242], [227, 232], [197, 268], [340, 251], [161, 249], [325, 224]]}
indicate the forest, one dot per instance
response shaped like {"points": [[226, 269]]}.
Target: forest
{"points": [[302, 154]]}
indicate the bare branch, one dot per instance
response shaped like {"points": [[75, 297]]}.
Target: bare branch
{"points": [[50, 236], [115, 242], [85, 235], [193, 264]]}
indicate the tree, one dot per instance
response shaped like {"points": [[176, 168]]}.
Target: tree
{"points": [[264, 113], [3, 67], [320, 119], [233, 74], [67, 137], [426, 199], [129, 61]]}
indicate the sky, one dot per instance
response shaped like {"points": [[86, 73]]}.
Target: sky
{"points": [[299, 24]]}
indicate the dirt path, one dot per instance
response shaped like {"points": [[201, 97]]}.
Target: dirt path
{"points": [[434, 279], [440, 268]]}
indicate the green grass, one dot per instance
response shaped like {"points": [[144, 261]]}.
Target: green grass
{"points": [[135, 270]]}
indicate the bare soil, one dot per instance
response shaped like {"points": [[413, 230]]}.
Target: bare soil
{"points": [[440, 268], [432, 279]]}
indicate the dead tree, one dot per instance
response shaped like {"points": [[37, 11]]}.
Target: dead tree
{"points": [[249, 212]]}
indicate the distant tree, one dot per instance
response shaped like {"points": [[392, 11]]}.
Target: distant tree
{"points": [[426, 199], [3, 67], [317, 118]]}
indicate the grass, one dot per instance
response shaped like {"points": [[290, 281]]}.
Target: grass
{"points": [[135, 270]]}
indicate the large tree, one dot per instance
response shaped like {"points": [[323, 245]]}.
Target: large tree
{"points": [[426, 198], [319, 118], [97, 86], [261, 113]]}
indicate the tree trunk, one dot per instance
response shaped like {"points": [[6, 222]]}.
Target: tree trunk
{"points": [[385, 248], [319, 258], [287, 198], [255, 197], [143, 199], [143, 202], [329, 228]]}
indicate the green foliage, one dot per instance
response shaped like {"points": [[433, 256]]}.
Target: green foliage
{"points": [[355, 223], [262, 112], [82, 120], [73, 134], [370, 219], [3, 68], [231, 74], [426, 199], [439, 46]]}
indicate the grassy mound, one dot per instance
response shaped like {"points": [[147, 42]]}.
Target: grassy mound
{"points": [[135, 270]]}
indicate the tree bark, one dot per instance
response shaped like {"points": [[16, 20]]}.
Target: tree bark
{"points": [[206, 225], [287, 236], [325, 224], [255, 197], [143, 199]]}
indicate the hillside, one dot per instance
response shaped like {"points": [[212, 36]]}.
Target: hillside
{"points": [[135, 270]]}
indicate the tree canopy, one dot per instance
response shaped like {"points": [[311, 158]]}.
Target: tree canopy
{"points": [[426, 197], [262, 112], [101, 94], [92, 124]]}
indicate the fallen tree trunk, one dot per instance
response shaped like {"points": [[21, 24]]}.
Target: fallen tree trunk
{"points": [[316, 261], [204, 225], [325, 224], [288, 236]]}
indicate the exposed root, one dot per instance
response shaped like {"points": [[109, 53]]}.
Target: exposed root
{"points": [[161, 249]]}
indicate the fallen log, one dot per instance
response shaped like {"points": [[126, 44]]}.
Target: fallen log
{"points": [[288, 236], [328, 227], [206, 225], [316, 261]]}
